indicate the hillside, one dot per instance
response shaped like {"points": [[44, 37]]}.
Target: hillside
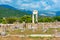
{"points": [[8, 11]]}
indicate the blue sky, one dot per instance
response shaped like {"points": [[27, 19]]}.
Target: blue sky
{"points": [[53, 5]]}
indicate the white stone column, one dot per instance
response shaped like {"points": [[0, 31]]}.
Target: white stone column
{"points": [[36, 17], [35, 12], [32, 18]]}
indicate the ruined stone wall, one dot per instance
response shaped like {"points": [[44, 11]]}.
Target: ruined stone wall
{"points": [[30, 25]]}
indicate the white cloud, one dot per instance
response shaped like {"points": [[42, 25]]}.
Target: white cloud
{"points": [[27, 0], [44, 3], [6, 1], [47, 7], [52, 13], [19, 2], [30, 5], [22, 8], [35, 5], [25, 5], [55, 1], [43, 14]]}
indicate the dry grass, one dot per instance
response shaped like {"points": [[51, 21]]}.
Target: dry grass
{"points": [[26, 38]]}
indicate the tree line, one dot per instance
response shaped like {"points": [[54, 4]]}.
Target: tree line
{"points": [[28, 19]]}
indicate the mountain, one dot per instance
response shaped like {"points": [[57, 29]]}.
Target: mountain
{"points": [[9, 11], [49, 13], [7, 6], [58, 13]]}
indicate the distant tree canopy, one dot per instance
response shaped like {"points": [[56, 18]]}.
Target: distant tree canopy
{"points": [[57, 18], [46, 19], [28, 19], [10, 20]]}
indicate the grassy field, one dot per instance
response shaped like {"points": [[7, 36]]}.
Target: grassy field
{"points": [[26, 38], [49, 31], [18, 31]]}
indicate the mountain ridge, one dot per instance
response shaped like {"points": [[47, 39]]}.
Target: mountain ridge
{"points": [[8, 11], [30, 12]]}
